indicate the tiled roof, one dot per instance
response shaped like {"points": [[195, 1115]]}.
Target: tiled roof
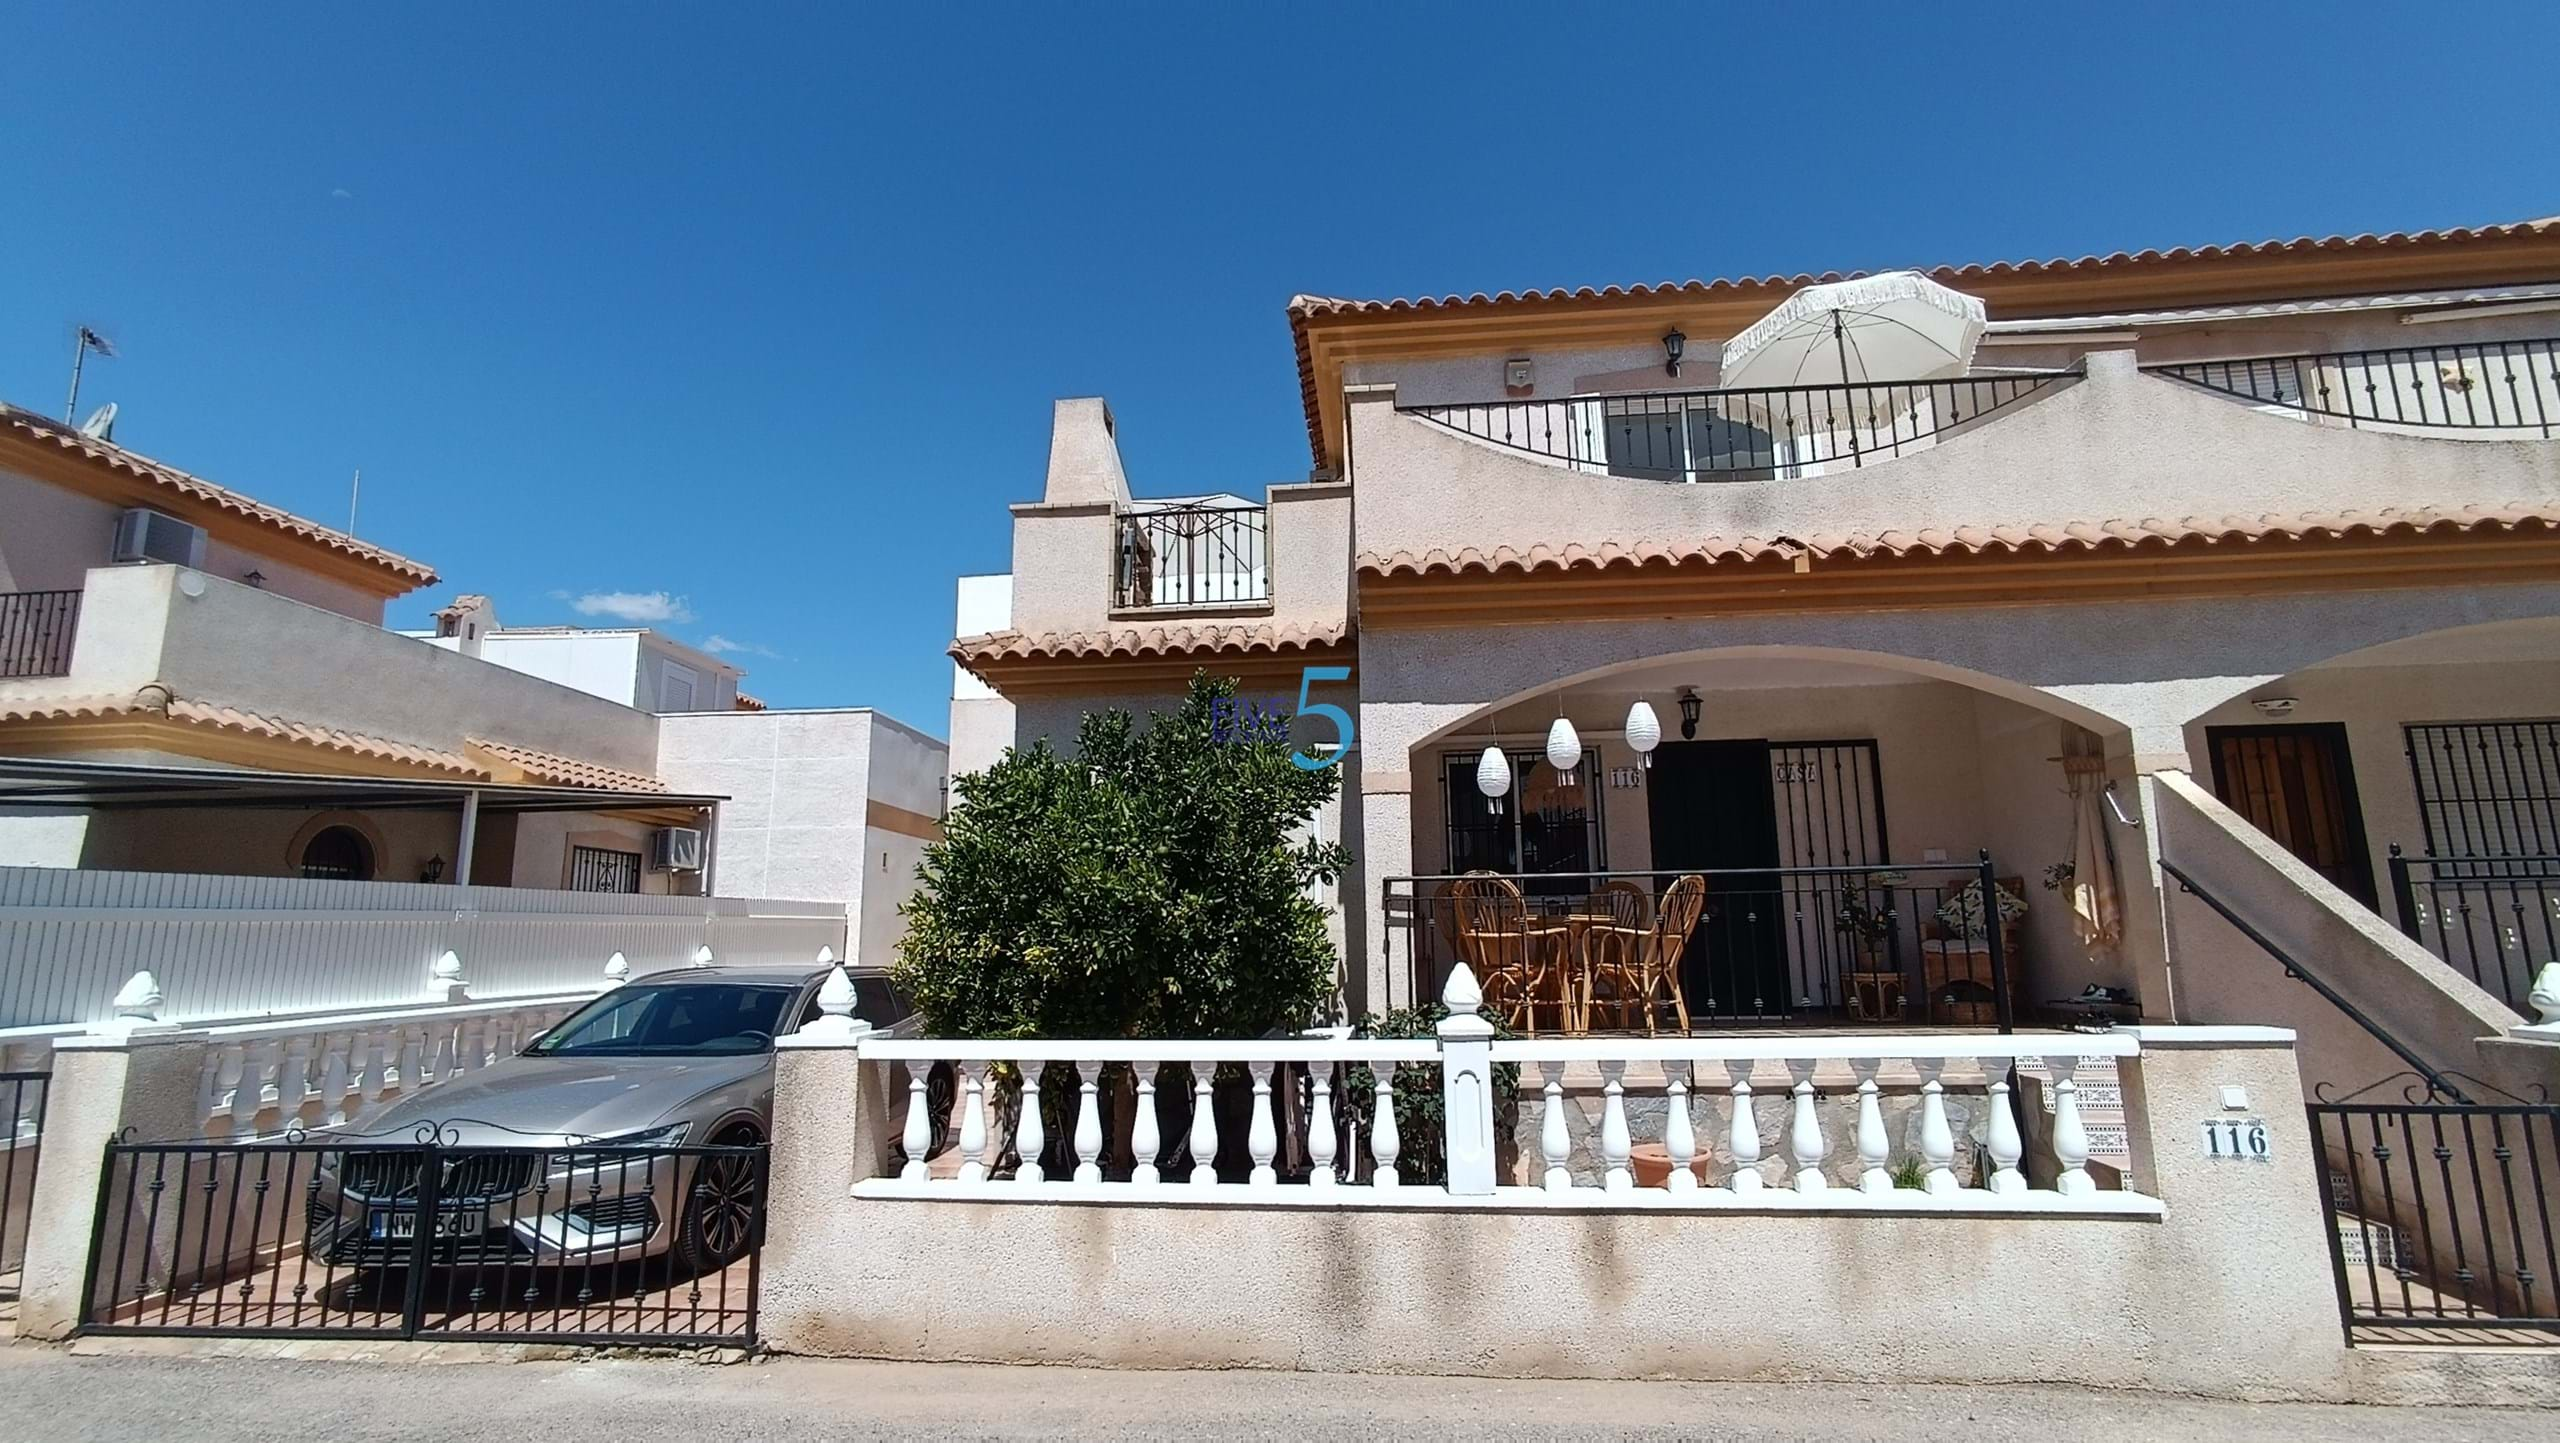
{"points": [[1304, 308], [750, 703], [554, 770], [1177, 639], [169, 478], [217, 717], [2039, 538]]}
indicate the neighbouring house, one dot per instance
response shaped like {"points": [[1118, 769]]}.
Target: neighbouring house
{"points": [[2240, 561], [194, 682]]}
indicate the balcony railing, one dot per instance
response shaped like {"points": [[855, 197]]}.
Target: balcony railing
{"points": [[1780, 433], [2496, 919], [1182, 556], [2494, 390], [1670, 952], [36, 629]]}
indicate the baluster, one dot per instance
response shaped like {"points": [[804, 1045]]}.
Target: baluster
{"points": [[1805, 1140], [990, 1138], [440, 1044], [1029, 1136], [293, 1081], [1321, 1143], [2070, 1137], [2000, 1131], [1383, 1142], [973, 1126], [1874, 1149], [1555, 1142], [1204, 1124], [471, 1043], [1262, 1139], [1678, 1138], [1615, 1145], [333, 1074], [1744, 1136], [1937, 1140], [1146, 1137], [918, 1137], [209, 1096], [1088, 1122], [258, 1064], [413, 1058]]}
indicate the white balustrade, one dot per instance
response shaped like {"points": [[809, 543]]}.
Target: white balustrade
{"points": [[1871, 1123]]}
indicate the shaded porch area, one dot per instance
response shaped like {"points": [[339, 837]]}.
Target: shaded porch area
{"points": [[1815, 840]]}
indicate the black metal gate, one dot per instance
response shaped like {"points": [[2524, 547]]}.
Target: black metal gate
{"points": [[2440, 1218], [21, 1131], [369, 1238]]}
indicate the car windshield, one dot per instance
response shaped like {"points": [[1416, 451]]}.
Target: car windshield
{"points": [[706, 1019]]}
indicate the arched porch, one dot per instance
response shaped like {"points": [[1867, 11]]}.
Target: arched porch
{"points": [[1842, 812]]}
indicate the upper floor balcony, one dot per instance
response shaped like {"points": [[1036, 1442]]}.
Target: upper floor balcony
{"points": [[1762, 434], [2499, 390], [36, 630], [1193, 553]]}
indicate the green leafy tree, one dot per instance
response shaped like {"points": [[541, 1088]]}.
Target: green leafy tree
{"points": [[1150, 886]]}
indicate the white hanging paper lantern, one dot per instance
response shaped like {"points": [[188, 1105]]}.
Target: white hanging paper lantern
{"points": [[1644, 730], [1564, 751], [1493, 776]]}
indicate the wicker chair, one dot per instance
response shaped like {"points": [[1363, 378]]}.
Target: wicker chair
{"points": [[1514, 963], [1640, 966]]}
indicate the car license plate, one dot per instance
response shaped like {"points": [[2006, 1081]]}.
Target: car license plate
{"points": [[450, 1223]]}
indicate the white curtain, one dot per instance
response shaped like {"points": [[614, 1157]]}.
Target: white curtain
{"points": [[2097, 911]]}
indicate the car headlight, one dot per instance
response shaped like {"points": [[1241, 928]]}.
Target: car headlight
{"points": [[672, 1135]]}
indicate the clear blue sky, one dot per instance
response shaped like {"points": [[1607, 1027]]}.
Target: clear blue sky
{"points": [[763, 308]]}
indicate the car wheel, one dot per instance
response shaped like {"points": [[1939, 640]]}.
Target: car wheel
{"points": [[723, 1209], [941, 1086]]}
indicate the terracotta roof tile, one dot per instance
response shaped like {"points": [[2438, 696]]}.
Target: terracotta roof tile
{"points": [[1177, 639], [177, 482], [2010, 539], [750, 703], [552, 769], [217, 717], [1304, 308]]}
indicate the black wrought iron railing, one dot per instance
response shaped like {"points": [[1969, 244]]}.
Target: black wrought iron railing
{"points": [[1635, 951], [2496, 919], [1774, 433], [36, 629], [21, 1131], [1192, 556], [402, 1238], [2441, 1219], [2510, 387]]}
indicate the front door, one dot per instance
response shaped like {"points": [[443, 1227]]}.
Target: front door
{"points": [[1713, 808], [2295, 784]]}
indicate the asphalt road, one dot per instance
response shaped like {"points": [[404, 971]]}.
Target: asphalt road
{"points": [[50, 1395]]}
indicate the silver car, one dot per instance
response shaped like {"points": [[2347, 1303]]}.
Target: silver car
{"points": [[604, 1141]]}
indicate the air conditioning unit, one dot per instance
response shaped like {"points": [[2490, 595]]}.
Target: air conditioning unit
{"points": [[146, 535], [675, 849]]}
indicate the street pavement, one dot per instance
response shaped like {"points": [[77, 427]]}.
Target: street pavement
{"points": [[51, 1395]]}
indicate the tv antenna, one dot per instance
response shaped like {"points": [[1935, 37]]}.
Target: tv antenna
{"points": [[101, 425], [89, 341]]}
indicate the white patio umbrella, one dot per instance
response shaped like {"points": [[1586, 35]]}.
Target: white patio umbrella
{"points": [[1899, 326]]}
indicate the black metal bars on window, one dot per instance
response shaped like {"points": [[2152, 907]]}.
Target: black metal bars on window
{"points": [[36, 631], [1177, 556], [1773, 433], [2507, 386]]}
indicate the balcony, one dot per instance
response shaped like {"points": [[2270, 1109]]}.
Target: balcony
{"points": [[2483, 391], [1174, 556], [36, 630], [1773, 434]]}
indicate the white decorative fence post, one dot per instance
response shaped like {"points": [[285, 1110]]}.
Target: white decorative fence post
{"points": [[1146, 1139], [1262, 1139], [1320, 1138], [2000, 1130], [1088, 1133], [444, 977], [1030, 1137], [1937, 1140], [1204, 1125], [2070, 1136], [1874, 1148], [1804, 1138], [1466, 1086], [617, 970], [1615, 1145], [1744, 1134], [1679, 1141]]}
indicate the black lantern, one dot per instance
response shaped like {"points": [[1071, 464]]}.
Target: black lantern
{"points": [[1689, 713], [433, 871], [1673, 343]]}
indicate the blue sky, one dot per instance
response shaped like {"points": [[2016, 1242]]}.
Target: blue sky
{"points": [[759, 310]]}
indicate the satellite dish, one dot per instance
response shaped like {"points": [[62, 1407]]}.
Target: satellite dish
{"points": [[101, 425]]}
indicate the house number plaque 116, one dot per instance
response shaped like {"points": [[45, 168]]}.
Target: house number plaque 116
{"points": [[2240, 1139]]}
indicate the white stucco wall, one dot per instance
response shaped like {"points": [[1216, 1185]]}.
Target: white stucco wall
{"points": [[982, 719]]}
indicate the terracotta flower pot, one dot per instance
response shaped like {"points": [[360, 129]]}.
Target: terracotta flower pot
{"points": [[1651, 1163]]}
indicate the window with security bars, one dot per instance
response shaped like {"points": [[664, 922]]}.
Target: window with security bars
{"points": [[2488, 789], [602, 869]]}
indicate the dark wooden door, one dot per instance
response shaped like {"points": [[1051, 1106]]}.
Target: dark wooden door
{"points": [[1713, 809], [2296, 784]]}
